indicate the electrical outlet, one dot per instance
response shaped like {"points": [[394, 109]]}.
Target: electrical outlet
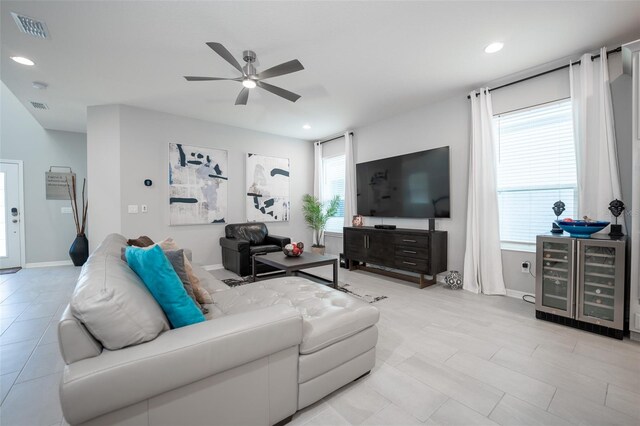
{"points": [[133, 208], [526, 267]]}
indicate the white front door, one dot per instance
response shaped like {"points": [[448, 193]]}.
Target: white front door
{"points": [[10, 216]]}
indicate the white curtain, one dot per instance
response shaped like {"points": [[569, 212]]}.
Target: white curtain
{"points": [[482, 257], [594, 134], [350, 195], [317, 171]]}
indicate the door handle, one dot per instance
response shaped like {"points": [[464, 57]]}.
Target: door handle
{"points": [[409, 263], [409, 241], [15, 221], [409, 251], [14, 211]]}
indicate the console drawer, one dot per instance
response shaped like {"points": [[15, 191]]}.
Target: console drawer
{"points": [[409, 264], [414, 252], [411, 240]]}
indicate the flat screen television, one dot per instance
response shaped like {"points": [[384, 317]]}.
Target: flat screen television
{"points": [[413, 185]]}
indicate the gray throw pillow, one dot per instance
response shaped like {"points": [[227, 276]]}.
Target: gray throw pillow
{"points": [[176, 258]]}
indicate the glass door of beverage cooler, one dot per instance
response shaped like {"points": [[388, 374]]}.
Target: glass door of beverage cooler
{"points": [[601, 282], [555, 287]]}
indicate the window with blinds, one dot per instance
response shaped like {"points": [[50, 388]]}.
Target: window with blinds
{"points": [[536, 168], [332, 185]]}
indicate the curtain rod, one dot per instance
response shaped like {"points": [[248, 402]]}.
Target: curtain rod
{"points": [[332, 139], [617, 49]]}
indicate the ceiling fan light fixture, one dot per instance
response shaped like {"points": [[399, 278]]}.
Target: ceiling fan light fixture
{"points": [[306, 126], [249, 83], [250, 78], [494, 47], [23, 61]]}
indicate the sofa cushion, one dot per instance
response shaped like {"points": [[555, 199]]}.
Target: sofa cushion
{"points": [[264, 248], [329, 315], [112, 302], [208, 281], [254, 232], [74, 340], [164, 284]]}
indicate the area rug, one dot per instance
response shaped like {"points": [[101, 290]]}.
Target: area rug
{"points": [[358, 292], [9, 271]]}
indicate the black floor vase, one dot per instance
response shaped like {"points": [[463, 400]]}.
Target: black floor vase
{"points": [[79, 251]]}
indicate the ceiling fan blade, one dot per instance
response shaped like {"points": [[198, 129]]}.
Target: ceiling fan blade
{"points": [[242, 96], [282, 69], [278, 91], [226, 55], [192, 78]]}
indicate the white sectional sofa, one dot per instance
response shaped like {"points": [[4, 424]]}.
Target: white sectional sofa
{"points": [[267, 349]]}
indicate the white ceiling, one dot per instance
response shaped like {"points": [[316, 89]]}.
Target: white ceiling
{"points": [[364, 61]]}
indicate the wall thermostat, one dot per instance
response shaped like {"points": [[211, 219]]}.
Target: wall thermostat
{"points": [[147, 182]]}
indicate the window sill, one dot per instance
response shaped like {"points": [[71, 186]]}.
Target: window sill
{"points": [[524, 247], [333, 234]]}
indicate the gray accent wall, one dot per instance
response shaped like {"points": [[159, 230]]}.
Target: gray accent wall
{"points": [[142, 142], [49, 233]]}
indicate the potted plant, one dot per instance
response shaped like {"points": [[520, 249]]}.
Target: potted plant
{"points": [[79, 250], [316, 216]]}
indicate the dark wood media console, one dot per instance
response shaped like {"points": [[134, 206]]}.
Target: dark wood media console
{"points": [[413, 250]]}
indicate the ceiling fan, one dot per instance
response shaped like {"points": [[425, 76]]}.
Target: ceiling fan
{"points": [[250, 77]]}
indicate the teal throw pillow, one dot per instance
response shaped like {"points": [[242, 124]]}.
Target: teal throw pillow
{"points": [[155, 270]]}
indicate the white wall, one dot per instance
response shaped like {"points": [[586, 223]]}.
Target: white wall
{"points": [[144, 138], [49, 233], [103, 168], [440, 124], [447, 123]]}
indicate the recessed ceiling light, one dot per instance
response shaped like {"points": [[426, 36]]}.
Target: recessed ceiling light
{"points": [[23, 61], [494, 47], [306, 126], [248, 83]]}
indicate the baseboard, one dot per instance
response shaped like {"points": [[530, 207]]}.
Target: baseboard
{"points": [[212, 267], [517, 294], [48, 264]]}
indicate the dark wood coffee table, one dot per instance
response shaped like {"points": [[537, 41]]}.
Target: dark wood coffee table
{"points": [[294, 265]]}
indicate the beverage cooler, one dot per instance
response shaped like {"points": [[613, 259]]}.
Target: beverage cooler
{"points": [[580, 282]]}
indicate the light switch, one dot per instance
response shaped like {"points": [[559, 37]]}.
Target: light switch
{"points": [[133, 208], [144, 208], [66, 210]]}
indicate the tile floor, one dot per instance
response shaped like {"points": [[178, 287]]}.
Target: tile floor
{"points": [[443, 358]]}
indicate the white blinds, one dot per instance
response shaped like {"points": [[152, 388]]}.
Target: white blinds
{"points": [[333, 184], [536, 168]]}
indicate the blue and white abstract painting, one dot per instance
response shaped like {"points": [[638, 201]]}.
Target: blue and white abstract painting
{"points": [[268, 197], [197, 185]]}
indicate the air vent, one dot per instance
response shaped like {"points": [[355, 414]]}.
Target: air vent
{"points": [[38, 105], [31, 26]]}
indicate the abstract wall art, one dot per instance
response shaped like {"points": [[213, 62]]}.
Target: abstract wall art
{"points": [[197, 185], [268, 197]]}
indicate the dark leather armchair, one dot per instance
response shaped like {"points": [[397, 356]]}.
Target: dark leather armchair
{"points": [[243, 240]]}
